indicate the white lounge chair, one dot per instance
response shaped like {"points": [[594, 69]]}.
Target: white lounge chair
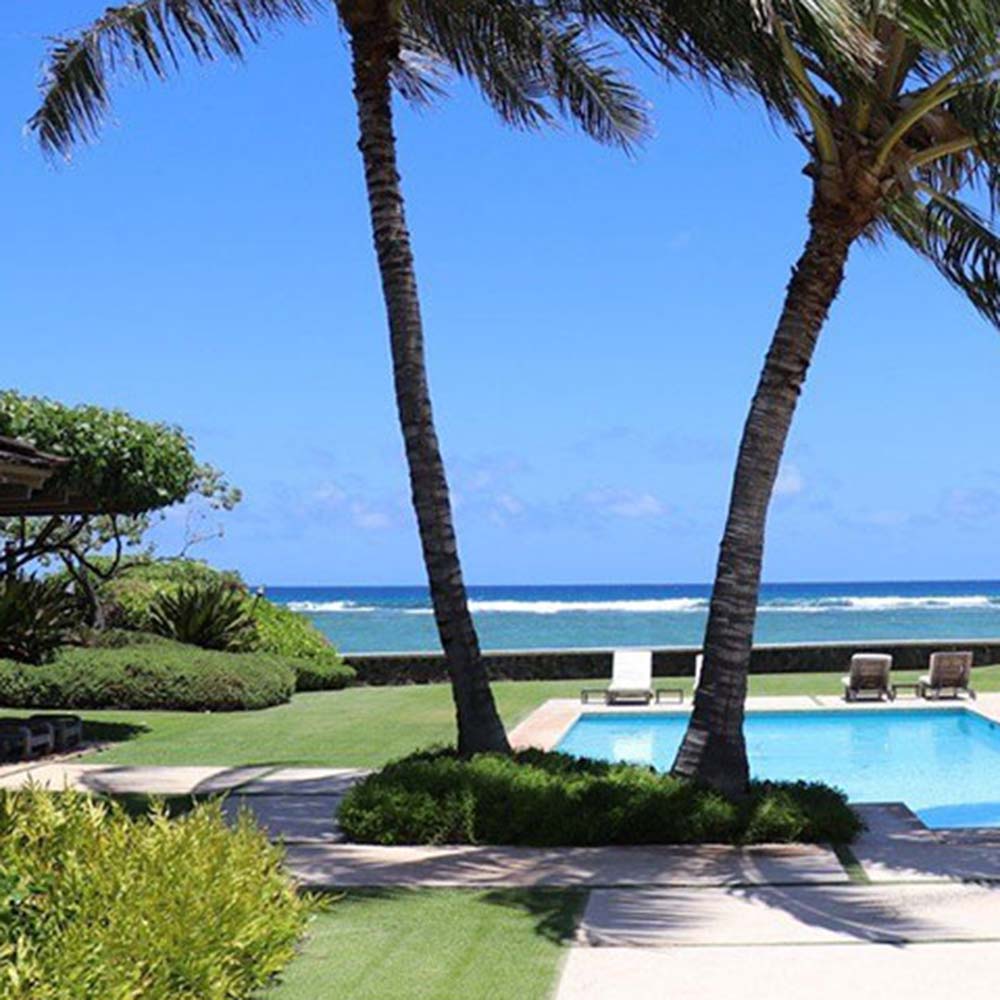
{"points": [[869, 677], [631, 676], [951, 672], [632, 680]]}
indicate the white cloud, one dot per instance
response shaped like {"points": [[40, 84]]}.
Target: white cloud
{"points": [[625, 503], [790, 481]]}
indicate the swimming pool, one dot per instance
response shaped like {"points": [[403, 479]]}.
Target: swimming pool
{"points": [[943, 763]]}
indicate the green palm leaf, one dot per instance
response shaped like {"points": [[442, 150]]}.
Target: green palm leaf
{"points": [[957, 240], [148, 38], [528, 60]]}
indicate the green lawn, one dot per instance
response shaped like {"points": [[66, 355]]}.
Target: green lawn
{"points": [[434, 945], [360, 727]]}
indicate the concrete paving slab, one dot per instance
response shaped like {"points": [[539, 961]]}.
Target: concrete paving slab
{"points": [[368, 865], [112, 780], [802, 914], [898, 847], [290, 817], [819, 972], [304, 781]]}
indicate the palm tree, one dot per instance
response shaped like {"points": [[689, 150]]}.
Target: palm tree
{"points": [[528, 60], [903, 145]]}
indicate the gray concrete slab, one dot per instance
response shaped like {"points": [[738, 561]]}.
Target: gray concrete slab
{"points": [[368, 865], [819, 972], [109, 779], [304, 781], [898, 847], [290, 817], [801, 914]]}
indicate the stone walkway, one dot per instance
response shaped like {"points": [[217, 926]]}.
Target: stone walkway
{"points": [[919, 914]]}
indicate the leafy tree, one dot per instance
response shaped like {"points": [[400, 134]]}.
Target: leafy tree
{"points": [[122, 472], [528, 59], [903, 141]]}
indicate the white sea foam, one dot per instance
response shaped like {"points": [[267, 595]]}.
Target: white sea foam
{"points": [[639, 606], [680, 605], [886, 603], [317, 607]]}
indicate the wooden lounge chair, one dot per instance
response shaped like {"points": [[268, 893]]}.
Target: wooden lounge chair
{"points": [[67, 729], [947, 672], [869, 677], [26, 738]]}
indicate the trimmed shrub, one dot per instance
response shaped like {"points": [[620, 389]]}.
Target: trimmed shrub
{"points": [[159, 674], [209, 615], [284, 632], [553, 799], [36, 616], [95, 904], [328, 673]]}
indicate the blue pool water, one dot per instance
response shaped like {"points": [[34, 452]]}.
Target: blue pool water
{"points": [[943, 763]]}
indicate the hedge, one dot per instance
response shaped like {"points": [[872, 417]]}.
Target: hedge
{"points": [[154, 675], [96, 905], [551, 799]]}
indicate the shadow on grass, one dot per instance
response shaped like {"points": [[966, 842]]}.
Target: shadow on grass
{"points": [[556, 911], [96, 731]]}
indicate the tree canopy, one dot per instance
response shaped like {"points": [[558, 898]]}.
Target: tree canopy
{"points": [[118, 464]]}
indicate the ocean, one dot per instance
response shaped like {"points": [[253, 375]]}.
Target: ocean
{"points": [[399, 619]]}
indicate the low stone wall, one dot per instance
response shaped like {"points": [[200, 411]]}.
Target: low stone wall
{"points": [[677, 661]]}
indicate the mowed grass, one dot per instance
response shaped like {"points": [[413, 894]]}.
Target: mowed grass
{"points": [[434, 944], [365, 727]]}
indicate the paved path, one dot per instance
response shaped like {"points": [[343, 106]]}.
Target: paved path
{"points": [[783, 972]]}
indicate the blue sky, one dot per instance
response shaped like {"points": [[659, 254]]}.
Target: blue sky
{"points": [[595, 328]]}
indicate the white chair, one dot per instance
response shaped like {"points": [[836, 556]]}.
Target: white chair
{"points": [[631, 676]]}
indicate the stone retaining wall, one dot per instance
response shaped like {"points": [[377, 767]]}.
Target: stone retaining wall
{"points": [[677, 661]]}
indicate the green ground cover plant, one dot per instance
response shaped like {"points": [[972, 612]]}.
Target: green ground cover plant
{"points": [[98, 905], [150, 675], [550, 799]]}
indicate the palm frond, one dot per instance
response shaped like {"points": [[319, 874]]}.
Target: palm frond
{"points": [[957, 240], [526, 59], [147, 37], [732, 44]]}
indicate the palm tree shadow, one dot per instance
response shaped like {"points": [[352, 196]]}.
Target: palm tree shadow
{"points": [[556, 911]]}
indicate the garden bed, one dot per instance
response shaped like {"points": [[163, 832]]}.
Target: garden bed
{"points": [[552, 799]]}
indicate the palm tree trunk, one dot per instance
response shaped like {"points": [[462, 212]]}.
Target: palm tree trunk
{"points": [[373, 49], [714, 749]]}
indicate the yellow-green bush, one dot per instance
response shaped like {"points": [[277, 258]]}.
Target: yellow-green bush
{"points": [[96, 905]]}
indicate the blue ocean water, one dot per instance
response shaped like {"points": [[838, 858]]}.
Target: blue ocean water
{"points": [[399, 619], [943, 763]]}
